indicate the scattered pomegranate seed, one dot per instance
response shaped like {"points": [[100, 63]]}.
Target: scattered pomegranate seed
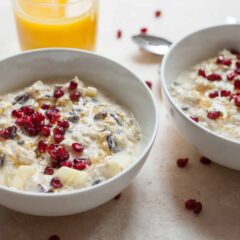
{"points": [[214, 115], [225, 93], [48, 171], [198, 208], [195, 119], [27, 110], [236, 100], [80, 166], [222, 60], [67, 164], [118, 196], [213, 94], [45, 131], [190, 204], [72, 85], [9, 133], [205, 161], [231, 76], [57, 153], [59, 130], [149, 84], [74, 96], [237, 84], [237, 71], [58, 93], [82, 160], [202, 73], [143, 30], [214, 77], [182, 162], [17, 113], [65, 124], [45, 106], [238, 64], [58, 138], [77, 147], [158, 13], [227, 62], [42, 146], [119, 34], [52, 115], [54, 237], [56, 182]]}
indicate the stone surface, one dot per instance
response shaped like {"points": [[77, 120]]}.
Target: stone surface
{"points": [[152, 207]]}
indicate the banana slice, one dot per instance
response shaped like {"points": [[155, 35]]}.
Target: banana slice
{"points": [[112, 168], [22, 176], [72, 177]]}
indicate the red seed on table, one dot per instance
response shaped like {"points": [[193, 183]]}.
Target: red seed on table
{"points": [[214, 77], [213, 115], [213, 94], [195, 119], [58, 93], [202, 73], [54, 237], [205, 161], [237, 84], [190, 204], [143, 30], [158, 13], [182, 162], [56, 182], [118, 196], [231, 76], [225, 93], [149, 84], [72, 85], [119, 34], [198, 208]]}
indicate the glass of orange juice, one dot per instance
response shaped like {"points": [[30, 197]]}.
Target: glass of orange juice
{"points": [[56, 23]]}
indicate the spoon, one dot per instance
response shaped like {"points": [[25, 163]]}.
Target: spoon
{"points": [[156, 45]]}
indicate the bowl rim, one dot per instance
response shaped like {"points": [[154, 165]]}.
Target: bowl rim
{"points": [[165, 89], [126, 170]]}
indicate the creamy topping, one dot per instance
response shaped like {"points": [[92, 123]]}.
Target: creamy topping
{"points": [[60, 137]]}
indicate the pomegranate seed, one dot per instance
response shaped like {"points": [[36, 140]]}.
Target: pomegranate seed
{"points": [[80, 166], [238, 56], [58, 138], [213, 94], [190, 204], [27, 110], [54, 237], [237, 100], [195, 119], [220, 60], [72, 85], [42, 146], [214, 77], [45, 131], [149, 84], [20, 121], [82, 160], [237, 84], [118, 196], [157, 13], [237, 71], [65, 124], [58, 130], [119, 34], [182, 162], [198, 208], [57, 153], [17, 113], [52, 115], [238, 64], [74, 96], [56, 182], [205, 161], [214, 115], [45, 106], [48, 171], [231, 76], [225, 93], [77, 147], [143, 30], [67, 164], [202, 73], [4, 134], [58, 93]]}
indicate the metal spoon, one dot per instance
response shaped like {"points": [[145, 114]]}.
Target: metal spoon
{"points": [[152, 44]]}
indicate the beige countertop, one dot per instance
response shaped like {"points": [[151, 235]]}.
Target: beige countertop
{"points": [[152, 207]]}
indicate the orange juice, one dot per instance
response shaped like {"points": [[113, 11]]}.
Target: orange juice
{"points": [[56, 23]]}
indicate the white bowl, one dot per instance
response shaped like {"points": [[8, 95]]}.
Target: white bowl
{"points": [[23, 69], [190, 50]]}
